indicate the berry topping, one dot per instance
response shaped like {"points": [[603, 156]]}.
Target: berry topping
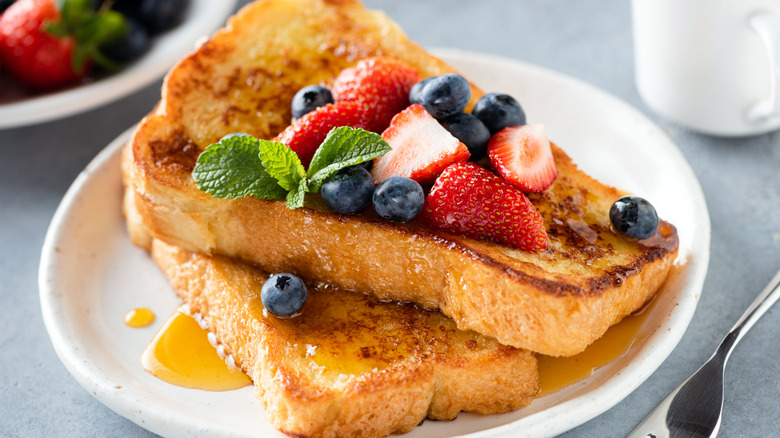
{"points": [[306, 134], [368, 165], [398, 199], [45, 49], [499, 111], [160, 15], [422, 148], [445, 95], [634, 217], [349, 190], [38, 59], [470, 131], [470, 200], [381, 85], [309, 98], [415, 94], [522, 156], [130, 46], [283, 294]]}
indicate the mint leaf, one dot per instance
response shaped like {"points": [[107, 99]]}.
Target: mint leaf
{"points": [[111, 27], [57, 29], [343, 147], [73, 11], [295, 197], [232, 169], [242, 165], [282, 163], [90, 29]]}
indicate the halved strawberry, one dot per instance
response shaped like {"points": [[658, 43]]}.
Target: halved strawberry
{"points": [[306, 134], [380, 84], [471, 200], [422, 148], [522, 156]]}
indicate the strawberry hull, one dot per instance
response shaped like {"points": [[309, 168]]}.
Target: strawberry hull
{"points": [[36, 58]]}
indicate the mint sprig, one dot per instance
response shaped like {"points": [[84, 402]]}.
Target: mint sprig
{"points": [[343, 147], [90, 29], [232, 169], [240, 166]]}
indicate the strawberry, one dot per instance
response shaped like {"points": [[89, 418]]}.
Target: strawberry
{"points": [[422, 148], [522, 156], [45, 49], [381, 84], [470, 200], [307, 133]]}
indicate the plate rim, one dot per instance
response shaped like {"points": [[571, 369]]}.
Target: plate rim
{"points": [[101, 389], [204, 17]]}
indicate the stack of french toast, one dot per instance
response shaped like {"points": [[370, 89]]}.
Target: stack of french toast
{"points": [[403, 321]]}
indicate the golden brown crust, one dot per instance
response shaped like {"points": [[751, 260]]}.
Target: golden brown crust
{"points": [[556, 301], [243, 79], [349, 365]]}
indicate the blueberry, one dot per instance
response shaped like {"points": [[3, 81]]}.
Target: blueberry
{"points": [[445, 95], [634, 217], [368, 165], [415, 92], [309, 98], [160, 15], [349, 190], [283, 294], [499, 111], [470, 131], [131, 46], [398, 199]]}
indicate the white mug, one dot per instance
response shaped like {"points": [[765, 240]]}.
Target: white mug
{"points": [[710, 65]]}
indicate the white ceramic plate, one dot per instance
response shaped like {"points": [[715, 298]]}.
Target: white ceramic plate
{"points": [[203, 17], [91, 275]]}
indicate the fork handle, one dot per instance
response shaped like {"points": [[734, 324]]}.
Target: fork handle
{"points": [[762, 303]]}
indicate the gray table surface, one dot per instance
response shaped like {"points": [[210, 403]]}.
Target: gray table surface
{"points": [[587, 40]]}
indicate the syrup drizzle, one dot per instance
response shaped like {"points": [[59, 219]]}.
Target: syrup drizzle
{"points": [[557, 373], [182, 355], [139, 317]]}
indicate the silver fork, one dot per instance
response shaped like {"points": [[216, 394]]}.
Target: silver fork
{"points": [[693, 410]]}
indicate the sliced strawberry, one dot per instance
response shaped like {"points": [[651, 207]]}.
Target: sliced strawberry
{"points": [[381, 84], [306, 134], [522, 156], [470, 200], [422, 148]]}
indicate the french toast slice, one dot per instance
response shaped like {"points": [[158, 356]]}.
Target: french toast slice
{"points": [[348, 365], [556, 301]]}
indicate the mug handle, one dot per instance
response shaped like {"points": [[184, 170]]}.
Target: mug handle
{"points": [[767, 26]]}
